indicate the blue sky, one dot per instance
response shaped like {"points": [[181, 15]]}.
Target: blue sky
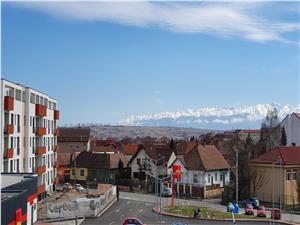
{"points": [[107, 61]]}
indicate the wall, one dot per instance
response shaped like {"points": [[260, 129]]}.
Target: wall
{"points": [[81, 207], [78, 174], [292, 129]]}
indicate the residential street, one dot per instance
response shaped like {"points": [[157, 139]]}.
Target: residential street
{"points": [[140, 206]]}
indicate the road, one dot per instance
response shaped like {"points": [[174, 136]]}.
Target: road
{"points": [[142, 209]]}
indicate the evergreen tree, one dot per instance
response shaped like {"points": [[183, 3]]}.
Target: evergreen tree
{"points": [[283, 140]]}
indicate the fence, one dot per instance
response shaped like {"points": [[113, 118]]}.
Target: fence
{"points": [[81, 207]]}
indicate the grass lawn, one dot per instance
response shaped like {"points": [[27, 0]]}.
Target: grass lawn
{"points": [[204, 212]]}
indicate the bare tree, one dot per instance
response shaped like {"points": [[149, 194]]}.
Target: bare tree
{"points": [[257, 180]]}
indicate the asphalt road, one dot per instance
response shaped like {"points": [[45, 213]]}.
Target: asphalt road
{"points": [[116, 214]]}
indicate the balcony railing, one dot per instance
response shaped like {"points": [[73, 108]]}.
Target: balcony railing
{"points": [[9, 153], [56, 115], [56, 132], [41, 169], [8, 103], [40, 110], [40, 151], [9, 129], [41, 131]]}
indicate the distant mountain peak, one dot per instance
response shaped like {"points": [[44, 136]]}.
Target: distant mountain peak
{"points": [[234, 117]]}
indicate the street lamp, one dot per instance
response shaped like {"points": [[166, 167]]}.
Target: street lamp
{"points": [[273, 189]]}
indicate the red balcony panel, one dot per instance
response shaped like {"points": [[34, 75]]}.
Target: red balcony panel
{"points": [[41, 189], [56, 148], [57, 133], [8, 103], [56, 115], [9, 153], [9, 129], [41, 169], [41, 151], [40, 110], [40, 131]]}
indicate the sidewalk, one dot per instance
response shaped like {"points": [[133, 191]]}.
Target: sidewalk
{"points": [[287, 217]]}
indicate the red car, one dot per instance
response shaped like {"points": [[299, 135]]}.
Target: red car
{"points": [[261, 211], [133, 221], [249, 209]]}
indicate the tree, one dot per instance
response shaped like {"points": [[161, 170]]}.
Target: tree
{"points": [[257, 181], [270, 132], [283, 140]]}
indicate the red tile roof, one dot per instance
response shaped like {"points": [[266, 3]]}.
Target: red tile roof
{"points": [[251, 131], [287, 155], [184, 147], [108, 148], [131, 149], [205, 158]]}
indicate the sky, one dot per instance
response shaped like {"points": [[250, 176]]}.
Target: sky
{"points": [[104, 62]]}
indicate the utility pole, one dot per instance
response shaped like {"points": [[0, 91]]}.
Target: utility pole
{"points": [[236, 176]]}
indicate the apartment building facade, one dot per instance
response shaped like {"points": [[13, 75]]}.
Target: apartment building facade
{"points": [[29, 133]]}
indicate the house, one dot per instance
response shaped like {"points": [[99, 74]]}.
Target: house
{"points": [[153, 159], [204, 172], [90, 167], [253, 134], [131, 149], [280, 165], [109, 149], [291, 125]]}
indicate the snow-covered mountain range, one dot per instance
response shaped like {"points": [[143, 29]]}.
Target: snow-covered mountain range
{"points": [[241, 117]]}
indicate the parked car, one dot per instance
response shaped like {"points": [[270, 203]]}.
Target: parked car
{"points": [[179, 224], [249, 209], [67, 187], [253, 201], [167, 192], [79, 188], [261, 211], [132, 221], [276, 214]]}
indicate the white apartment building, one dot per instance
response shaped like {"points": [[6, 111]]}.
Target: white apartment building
{"points": [[29, 133], [291, 124]]}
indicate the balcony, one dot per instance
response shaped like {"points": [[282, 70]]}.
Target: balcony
{"points": [[41, 189], [56, 148], [8, 103], [56, 132], [56, 115], [41, 169], [41, 131], [9, 129], [40, 151], [40, 110], [9, 153]]}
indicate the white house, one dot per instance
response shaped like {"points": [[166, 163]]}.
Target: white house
{"points": [[291, 124]]}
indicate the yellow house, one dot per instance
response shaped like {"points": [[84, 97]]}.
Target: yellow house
{"points": [[274, 176]]}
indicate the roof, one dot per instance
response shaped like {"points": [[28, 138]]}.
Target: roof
{"points": [[251, 131], [131, 149], [94, 160], [108, 148], [297, 115], [65, 158], [205, 158], [74, 134], [287, 155], [9, 179], [184, 147]]}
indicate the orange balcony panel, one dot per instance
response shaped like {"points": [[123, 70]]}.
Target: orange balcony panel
{"points": [[41, 189], [56, 132], [41, 151], [40, 110], [8, 103], [40, 131], [41, 169], [56, 148], [9, 153], [56, 115], [9, 129]]}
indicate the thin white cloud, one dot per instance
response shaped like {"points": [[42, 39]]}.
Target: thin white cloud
{"points": [[220, 19]]}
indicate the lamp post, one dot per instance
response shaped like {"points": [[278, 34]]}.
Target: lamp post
{"points": [[236, 175], [273, 189]]}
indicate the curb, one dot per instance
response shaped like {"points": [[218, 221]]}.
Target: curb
{"points": [[107, 207], [205, 219]]}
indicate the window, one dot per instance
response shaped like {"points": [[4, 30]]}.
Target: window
{"points": [[288, 175], [18, 165], [32, 98], [37, 99], [18, 145], [195, 178], [11, 166], [18, 95], [82, 173], [294, 176], [23, 96], [11, 142], [208, 178], [73, 172], [216, 176], [221, 177], [138, 161], [18, 123], [12, 119]]}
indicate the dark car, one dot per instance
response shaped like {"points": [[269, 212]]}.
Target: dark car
{"points": [[251, 201], [132, 221]]}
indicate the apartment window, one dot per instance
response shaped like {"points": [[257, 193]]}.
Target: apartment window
{"points": [[18, 95], [288, 175], [32, 98], [216, 177], [11, 165], [138, 161], [23, 96], [18, 123], [12, 119], [11, 142], [18, 165], [54, 106], [30, 120], [37, 99], [24, 121], [208, 178], [221, 177], [82, 173], [18, 145]]}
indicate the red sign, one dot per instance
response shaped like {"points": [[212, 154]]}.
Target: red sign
{"points": [[177, 171]]}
